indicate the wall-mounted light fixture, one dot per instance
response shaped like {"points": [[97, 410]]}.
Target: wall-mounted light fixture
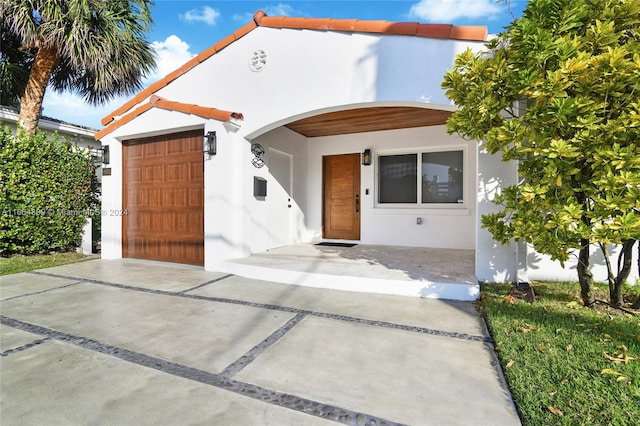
{"points": [[105, 154], [258, 151], [366, 157], [210, 145]]}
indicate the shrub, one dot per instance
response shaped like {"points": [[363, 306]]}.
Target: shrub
{"points": [[48, 188]]}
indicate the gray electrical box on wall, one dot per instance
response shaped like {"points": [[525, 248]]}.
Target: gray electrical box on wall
{"points": [[259, 187]]}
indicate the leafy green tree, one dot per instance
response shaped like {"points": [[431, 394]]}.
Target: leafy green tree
{"points": [[95, 48], [48, 188], [559, 92]]}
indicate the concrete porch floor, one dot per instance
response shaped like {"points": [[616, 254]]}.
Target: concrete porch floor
{"points": [[407, 271]]}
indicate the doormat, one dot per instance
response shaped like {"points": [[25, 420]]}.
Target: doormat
{"points": [[337, 244]]}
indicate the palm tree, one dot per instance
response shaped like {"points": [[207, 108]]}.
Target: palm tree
{"points": [[95, 48], [14, 68]]}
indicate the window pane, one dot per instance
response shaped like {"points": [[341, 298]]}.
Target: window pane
{"points": [[398, 178], [442, 179]]}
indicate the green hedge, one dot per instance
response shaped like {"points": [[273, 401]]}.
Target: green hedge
{"points": [[48, 188]]}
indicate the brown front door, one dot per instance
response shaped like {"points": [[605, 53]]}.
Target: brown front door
{"points": [[163, 198], [341, 190]]}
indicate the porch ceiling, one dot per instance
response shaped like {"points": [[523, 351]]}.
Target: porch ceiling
{"points": [[373, 119]]}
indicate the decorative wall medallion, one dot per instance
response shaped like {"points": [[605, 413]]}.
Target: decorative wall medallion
{"points": [[258, 60]]}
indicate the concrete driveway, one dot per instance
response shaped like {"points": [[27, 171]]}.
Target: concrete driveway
{"points": [[133, 343]]}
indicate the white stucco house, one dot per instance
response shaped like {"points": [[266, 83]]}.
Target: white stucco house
{"points": [[83, 136], [324, 130]]}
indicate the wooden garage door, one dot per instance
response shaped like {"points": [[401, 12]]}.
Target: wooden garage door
{"points": [[163, 187]]}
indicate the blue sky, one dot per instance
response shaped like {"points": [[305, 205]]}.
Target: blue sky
{"points": [[183, 28]]}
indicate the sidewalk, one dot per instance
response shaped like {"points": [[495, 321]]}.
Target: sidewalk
{"points": [[128, 342]]}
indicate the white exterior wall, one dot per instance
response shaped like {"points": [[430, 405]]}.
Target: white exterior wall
{"points": [[442, 226], [542, 268], [308, 72], [494, 262], [256, 219]]}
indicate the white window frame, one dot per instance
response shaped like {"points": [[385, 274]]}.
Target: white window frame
{"points": [[419, 204]]}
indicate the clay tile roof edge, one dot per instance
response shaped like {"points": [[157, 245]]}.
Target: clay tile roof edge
{"points": [[470, 33], [201, 57], [478, 33], [156, 101], [123, 120]]}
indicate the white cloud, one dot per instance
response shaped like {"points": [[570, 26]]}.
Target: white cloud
{"points": [[279, 9], [170, 54], [205, 14], [446, 11]]}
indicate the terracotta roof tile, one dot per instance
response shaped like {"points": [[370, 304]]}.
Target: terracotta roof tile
{"points": [[468, 33], [349, 25], [156, 101], [205, 112], [434, 30], [257, 17], [224, 42], [187, 66], [123, 120], [207, 53], [173, 75], [319, 23], [342, 24], [244, 30], [406, 28], [478, 33], [296, 23], [274, 21], [370, 26]]}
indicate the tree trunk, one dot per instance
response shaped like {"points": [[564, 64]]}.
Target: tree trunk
{"points": [[585, 277], [636, 304], [43, 65], [623, 273]]}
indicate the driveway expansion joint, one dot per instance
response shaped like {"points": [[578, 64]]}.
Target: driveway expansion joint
{"points": [[205, 284], [78, 281], [307, 406], [24, 347], [253, 353], [486, 339]]}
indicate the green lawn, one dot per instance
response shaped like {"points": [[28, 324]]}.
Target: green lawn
{"points": [[566, 364], [15, 264]]}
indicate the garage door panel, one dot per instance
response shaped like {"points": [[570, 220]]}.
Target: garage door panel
{"points": [[158, 149], [196, 171], [173, 148], [164, 197], [135, 198], [149, 198], [177, 172], [195, 196], [134, 174], [135, 151], [176, 197], [154, 173]]}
